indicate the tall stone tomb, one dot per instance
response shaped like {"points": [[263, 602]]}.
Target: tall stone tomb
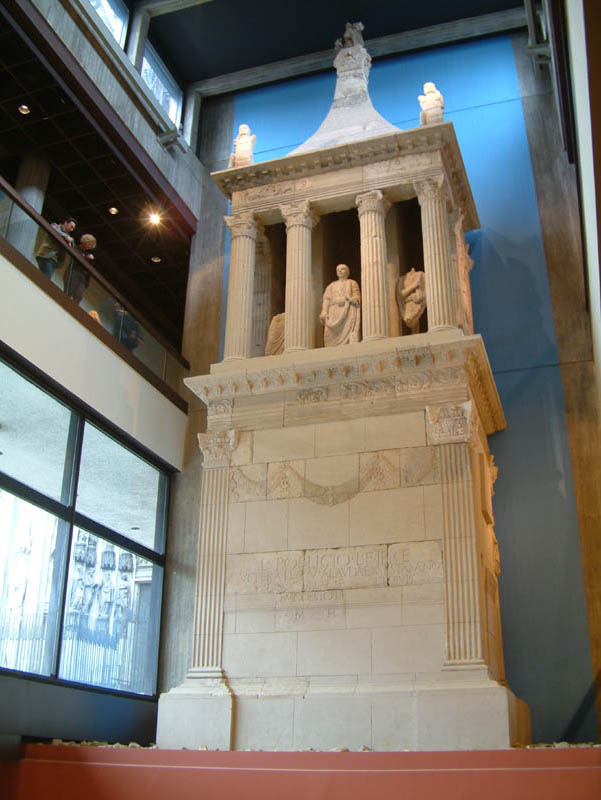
{"points": [[347, 562]]}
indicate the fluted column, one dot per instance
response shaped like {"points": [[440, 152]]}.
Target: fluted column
{"points": [[299, 220], [452, 428], [210, 570], [238, 326], [372, 208], [437, 258]]}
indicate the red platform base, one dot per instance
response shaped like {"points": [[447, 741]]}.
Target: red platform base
{"points": [[72, 773]]}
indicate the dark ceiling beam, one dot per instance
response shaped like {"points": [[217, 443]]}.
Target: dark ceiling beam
{"points": [[461, 30], [139, 22]]}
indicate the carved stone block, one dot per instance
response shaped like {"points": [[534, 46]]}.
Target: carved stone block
{"points": [[285, 479], [306, 611], [419, 466], [265, 572], [449, 423], [379, 470], [345, 568], [248, 483], [415, 562]]}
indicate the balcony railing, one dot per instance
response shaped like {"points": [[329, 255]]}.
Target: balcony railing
{"points": [[84, 288]]}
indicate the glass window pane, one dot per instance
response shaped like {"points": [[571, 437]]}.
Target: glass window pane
{"points": [[120, 490], [114, 15], [35, 436], [110, 629], [32, 547], [160, 82]]}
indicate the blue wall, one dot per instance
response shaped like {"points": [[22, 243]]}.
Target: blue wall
{"points": [[542, 594]]}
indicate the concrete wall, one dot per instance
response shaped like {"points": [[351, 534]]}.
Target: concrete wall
{"points": [[90, 42], [40, 330]]}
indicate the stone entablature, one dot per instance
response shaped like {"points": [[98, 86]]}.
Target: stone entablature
{"points": [[389, 375], [334, 175]]}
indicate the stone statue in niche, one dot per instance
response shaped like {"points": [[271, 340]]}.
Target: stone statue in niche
{"points": [[432, 104], [275, 335], [411, 298], [244, 144], [341, 310], [352, 36]]}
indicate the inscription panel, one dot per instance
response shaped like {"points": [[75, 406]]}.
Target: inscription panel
{"points": [[415, 562], [310, 611], [265, 573], [346, 568]]}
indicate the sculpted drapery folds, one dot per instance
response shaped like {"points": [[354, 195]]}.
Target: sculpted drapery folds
{"points": [[341, 310]]}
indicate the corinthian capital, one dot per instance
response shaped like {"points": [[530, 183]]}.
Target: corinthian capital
{"points": [[217, 447], [372, 201], [299, 214], [430, 188], [242, 224]]}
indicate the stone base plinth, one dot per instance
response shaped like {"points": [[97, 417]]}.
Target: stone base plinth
{"points": [[196, 714], [273, 715]]}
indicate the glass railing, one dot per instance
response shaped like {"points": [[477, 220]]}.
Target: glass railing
{"points": [[61, 256]]}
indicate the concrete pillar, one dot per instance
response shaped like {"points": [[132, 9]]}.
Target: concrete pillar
{"points": [[299, 220], [31, 184], [136, 36], [431, 195], [192, 118], [372, 208], [238, 326]]}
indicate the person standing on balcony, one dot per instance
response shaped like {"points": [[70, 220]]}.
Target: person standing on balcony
{"points": [[76, 278], [48, 252]]}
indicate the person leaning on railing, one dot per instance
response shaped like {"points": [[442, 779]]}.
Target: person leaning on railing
{"points": [[75, 278], [49, 253]]}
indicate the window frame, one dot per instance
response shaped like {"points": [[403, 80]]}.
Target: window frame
{"points": [[165, 76], [66, 512]]}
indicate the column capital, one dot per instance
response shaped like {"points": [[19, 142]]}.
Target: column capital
{"points": [[373, 200], [431, 187], [242, 224], [299, 214], [217, 447]]}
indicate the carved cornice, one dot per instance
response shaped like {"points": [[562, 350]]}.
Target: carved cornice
{"points": [[440, 137], [395, 375], [372, 201], [299, 214], [242, 224]]}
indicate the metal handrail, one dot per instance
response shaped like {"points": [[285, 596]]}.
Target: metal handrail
{"points": [[89, 268]]}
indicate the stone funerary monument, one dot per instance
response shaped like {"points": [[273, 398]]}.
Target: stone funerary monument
{"points": [[347, 571]]}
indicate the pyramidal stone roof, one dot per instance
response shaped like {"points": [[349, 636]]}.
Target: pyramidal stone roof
{"points": [[352, 116]]}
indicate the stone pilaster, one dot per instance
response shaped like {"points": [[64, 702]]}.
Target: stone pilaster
{"points": [[431, 194], [262, 291], [210, 571], [372, 208], [238, 328], [451, 427], [299, 220]]}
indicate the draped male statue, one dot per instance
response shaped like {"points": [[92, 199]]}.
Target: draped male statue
{"points": [[341, 310]]}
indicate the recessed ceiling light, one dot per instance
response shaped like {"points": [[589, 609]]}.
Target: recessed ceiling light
{"points": [[154, 218], [113, 210], [23, 109], [156, 259]]}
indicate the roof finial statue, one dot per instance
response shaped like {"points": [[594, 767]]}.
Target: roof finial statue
{"points": [[351, 36], [432, 104], [244, 144], [352, 116]]}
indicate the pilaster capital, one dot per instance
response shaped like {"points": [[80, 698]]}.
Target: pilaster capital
{"points": [[299, 214], [242, 224], [451, 424], [373, 200], [431, 188], [217, 447]]}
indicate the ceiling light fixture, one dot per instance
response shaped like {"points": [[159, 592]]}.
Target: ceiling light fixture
{"points": [[113, 210], [154, 218], [23, 109], [156, 259]]}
